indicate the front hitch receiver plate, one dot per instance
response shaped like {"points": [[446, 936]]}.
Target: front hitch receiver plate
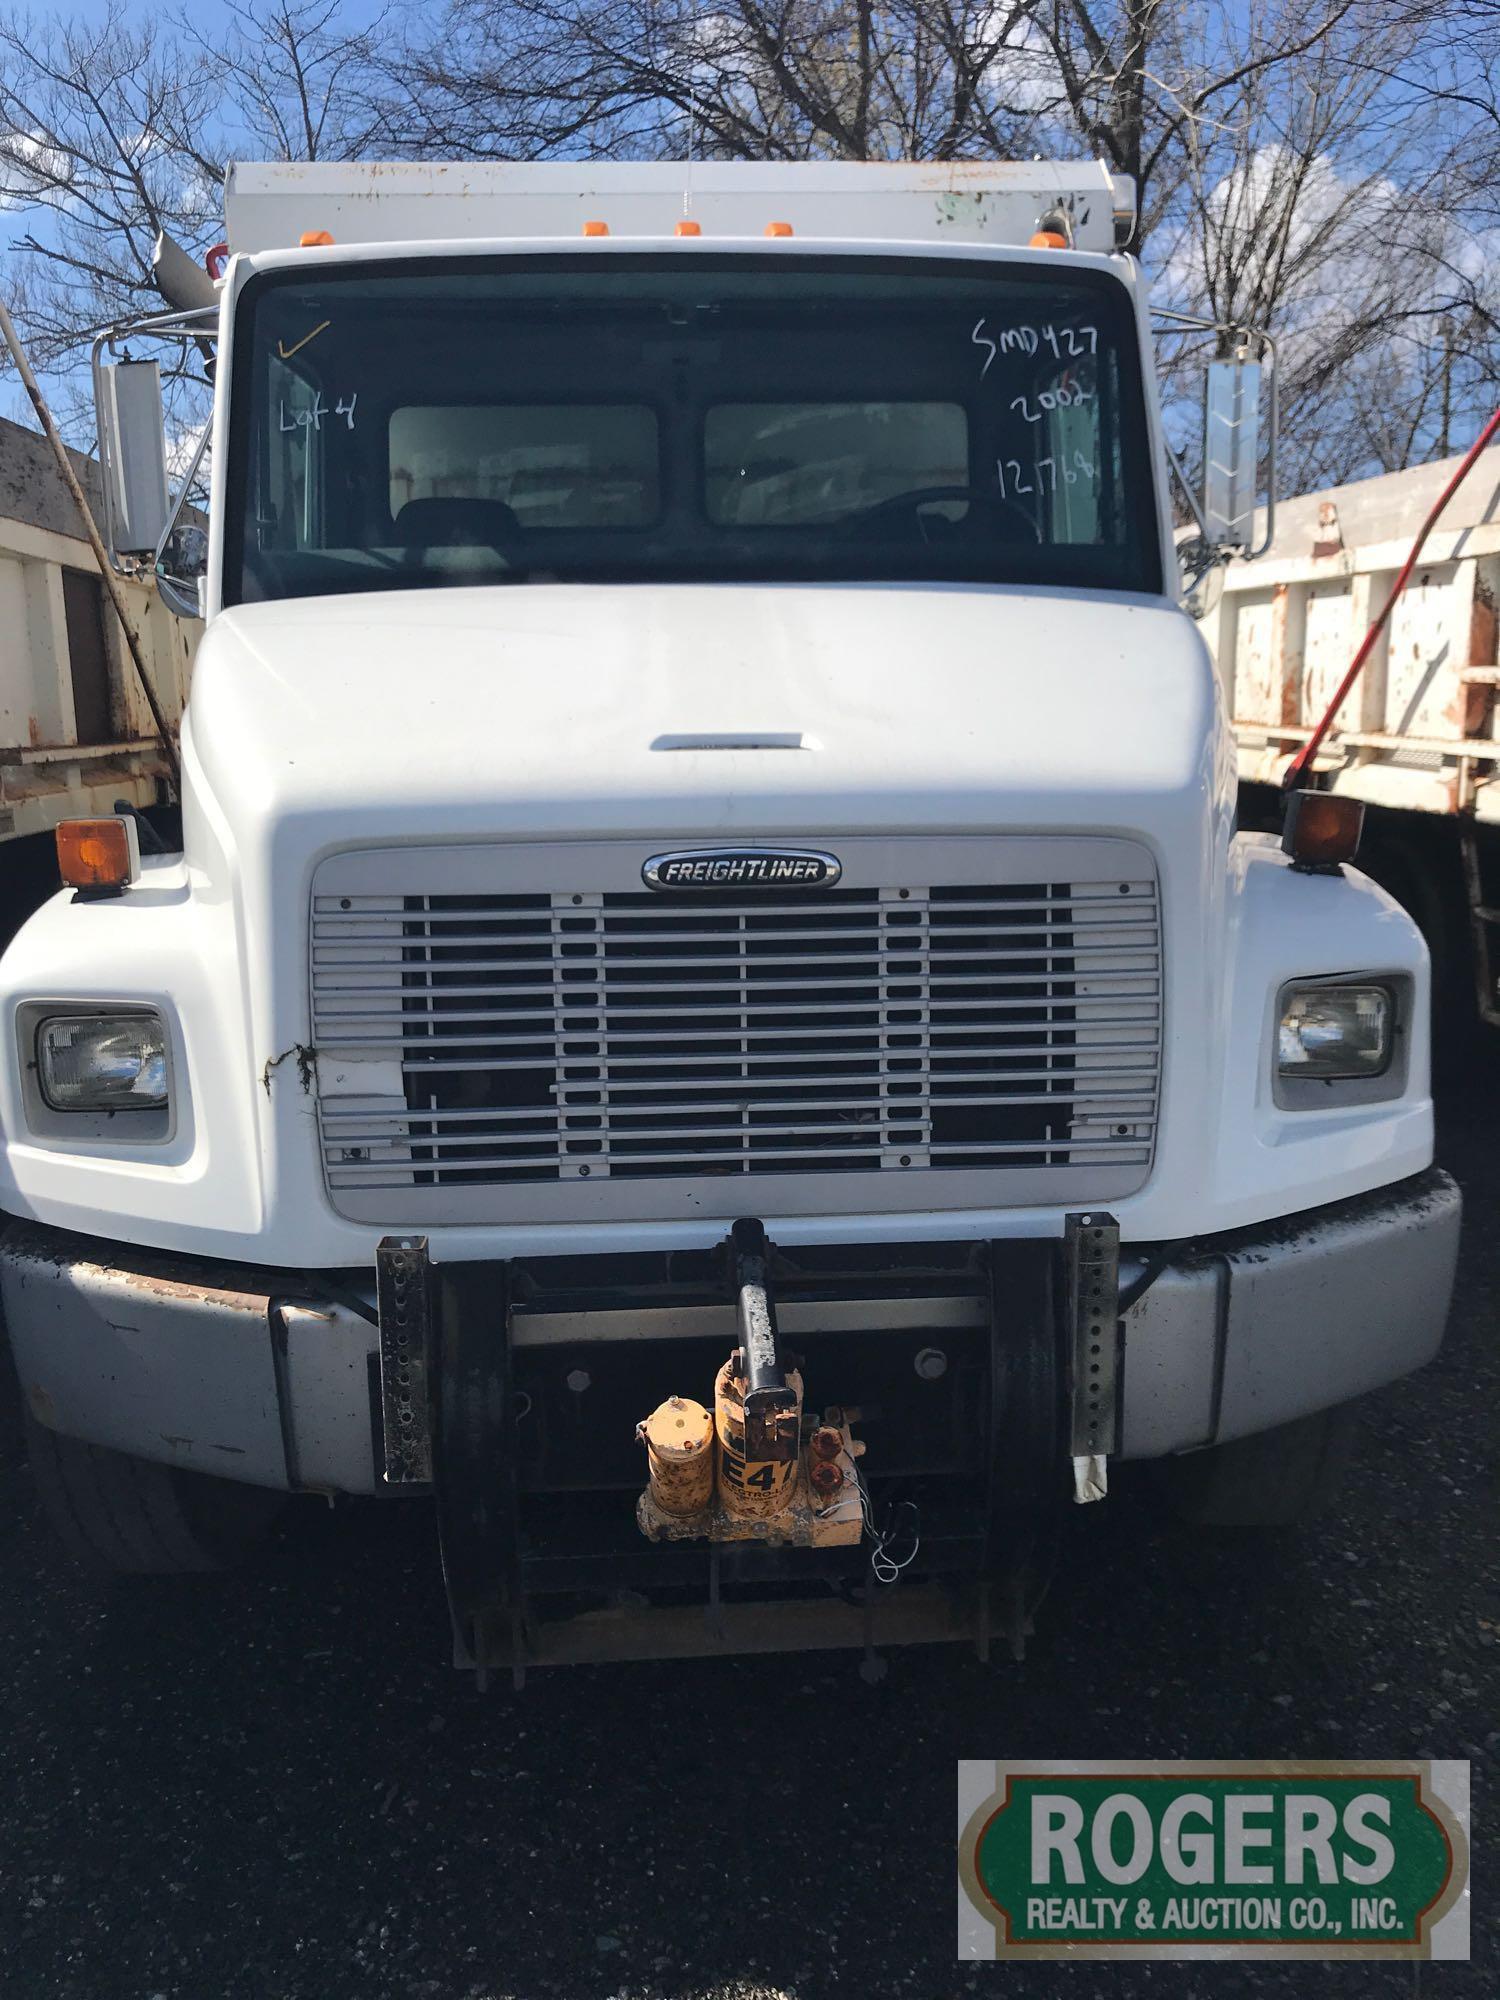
{"points": [[403, 1295], [1091, 1302]]}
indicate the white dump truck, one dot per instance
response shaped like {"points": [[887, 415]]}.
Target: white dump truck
{"points": [[712, 1022]]}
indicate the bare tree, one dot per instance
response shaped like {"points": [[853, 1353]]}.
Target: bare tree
{"points": [[1324, 167], [748, 79], [84, 157], [1449, 83], [1313, 204], [296, 77], [113, 129], [1142, 80]]}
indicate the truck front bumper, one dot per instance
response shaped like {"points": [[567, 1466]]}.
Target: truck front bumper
{"points": [[272, 1378]]}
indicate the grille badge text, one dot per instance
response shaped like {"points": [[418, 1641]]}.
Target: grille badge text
{"points": [[742, 868]]}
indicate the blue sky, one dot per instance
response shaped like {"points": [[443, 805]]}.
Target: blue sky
{"points": [[209, 17]]}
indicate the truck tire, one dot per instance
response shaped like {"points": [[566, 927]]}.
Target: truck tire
{"points": [[1275, 1479], [124, 1516]]}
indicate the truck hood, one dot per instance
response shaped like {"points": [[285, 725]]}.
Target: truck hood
{"points": [[555, 711]]}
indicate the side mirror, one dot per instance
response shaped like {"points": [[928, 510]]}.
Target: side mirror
{"points": [[132, 457], [1231, 452]]}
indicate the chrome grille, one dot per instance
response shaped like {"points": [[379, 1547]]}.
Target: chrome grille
{"points": [[564, 1036]]}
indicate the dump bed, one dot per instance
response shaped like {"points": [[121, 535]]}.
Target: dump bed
{"points": [[269, 207], [1419, 728], [75, 731]]}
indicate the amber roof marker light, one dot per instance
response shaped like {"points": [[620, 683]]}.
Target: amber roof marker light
{"points": [[1054, 231], [596, 229], [314, 239], [98, 857]]}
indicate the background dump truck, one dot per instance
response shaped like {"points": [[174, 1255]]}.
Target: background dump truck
{"points": [[75, 734], [714, 1023], [1417, 737]]}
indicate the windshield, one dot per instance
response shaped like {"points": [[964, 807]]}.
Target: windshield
{"points": [[631, 417]]}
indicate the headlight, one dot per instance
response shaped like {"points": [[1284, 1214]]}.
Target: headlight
{"points": [[1335, 1031], [102, 1062]]}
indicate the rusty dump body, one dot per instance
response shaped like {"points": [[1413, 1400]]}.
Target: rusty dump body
{"points": [[75, 730], [1419, 729], [1416, 738]]}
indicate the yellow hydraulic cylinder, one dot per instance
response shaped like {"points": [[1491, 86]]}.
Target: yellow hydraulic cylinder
{"points": [[678, 1438], [753, 1489]]}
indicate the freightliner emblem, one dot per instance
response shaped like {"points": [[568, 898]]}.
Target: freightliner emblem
{"points": [[754, 868]]}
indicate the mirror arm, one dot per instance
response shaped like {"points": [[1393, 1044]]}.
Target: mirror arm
{"points": [[1273, 428], [195, 324], [1187, 490], [1194, 573], [175, 512]]}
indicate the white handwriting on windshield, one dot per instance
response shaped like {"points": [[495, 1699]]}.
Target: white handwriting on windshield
{"points": [[1066, 396], [311, 417], [1065, 343], [1066, 469]]}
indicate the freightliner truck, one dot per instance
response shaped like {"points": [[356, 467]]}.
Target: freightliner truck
{"points": [[712, 1023]]}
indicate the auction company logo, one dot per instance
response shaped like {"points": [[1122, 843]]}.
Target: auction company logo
{"points": [[1213, 1860]]}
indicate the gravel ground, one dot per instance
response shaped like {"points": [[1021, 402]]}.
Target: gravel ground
{"points": [[276, 1785]]}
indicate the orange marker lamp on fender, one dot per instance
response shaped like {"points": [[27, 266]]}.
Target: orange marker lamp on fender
{"points": [[1321, 830], [98, 857]]}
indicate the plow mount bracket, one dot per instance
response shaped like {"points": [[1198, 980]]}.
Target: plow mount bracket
{"points": [[1091, 1304], [403, 1292]]}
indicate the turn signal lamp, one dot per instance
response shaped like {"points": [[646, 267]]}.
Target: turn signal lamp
{"points": [[314, 239], [778, 229], [1322, 830], [101, 857], [688, 229], [596, 229]]}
